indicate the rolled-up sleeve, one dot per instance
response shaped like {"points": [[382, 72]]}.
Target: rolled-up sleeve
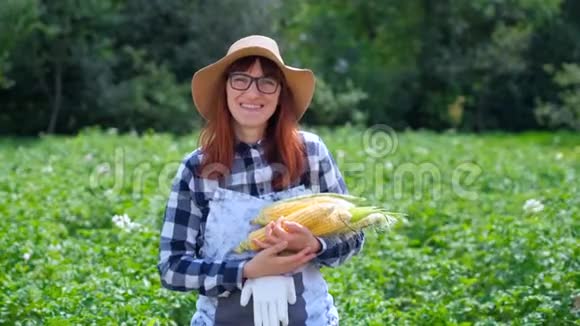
{"points": [[180, 266], [335, 250]]}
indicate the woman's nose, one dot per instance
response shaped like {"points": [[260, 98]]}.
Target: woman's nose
{"points": [[253, 90]]}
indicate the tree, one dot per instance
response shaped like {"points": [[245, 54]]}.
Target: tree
{"points": [[18, 18], [115, 63]]}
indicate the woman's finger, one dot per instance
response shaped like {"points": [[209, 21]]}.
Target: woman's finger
{"points": [[306, 255], [269, 229], [294, 227], [279, 232], [280, 222], [262, 244], [302, 260], [272, 240], [277, 248], [271, 236], [307, 258], [294, 258]]}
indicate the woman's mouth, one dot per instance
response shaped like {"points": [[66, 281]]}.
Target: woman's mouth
{"points": [[251, 107]]}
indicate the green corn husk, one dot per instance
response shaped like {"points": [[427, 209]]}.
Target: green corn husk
{"points": [[378, 220], [369, 216]]}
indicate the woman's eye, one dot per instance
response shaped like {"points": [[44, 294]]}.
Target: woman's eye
{"points": [[269, 82], [240, 80]]}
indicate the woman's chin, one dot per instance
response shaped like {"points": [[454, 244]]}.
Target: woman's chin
{"points": [[251, 123], [253, 120]]}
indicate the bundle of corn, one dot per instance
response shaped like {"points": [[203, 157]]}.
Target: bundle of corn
{"points": [[323, 214]]}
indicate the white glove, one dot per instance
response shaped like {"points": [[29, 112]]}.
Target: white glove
{"points": [[271, 297]]}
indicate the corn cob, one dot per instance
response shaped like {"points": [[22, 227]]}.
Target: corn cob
{"points": [[364, 217], [337, 220], [323, 214], [288, 206], [345, 197], [308, 216]]}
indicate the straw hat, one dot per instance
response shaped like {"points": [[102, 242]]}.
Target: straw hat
{"points": [[206, 82]]}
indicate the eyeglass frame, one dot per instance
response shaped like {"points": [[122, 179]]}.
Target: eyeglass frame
{"points": [[253, 80]]}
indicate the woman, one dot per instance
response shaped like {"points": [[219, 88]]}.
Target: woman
{"points": [[251, 154]]}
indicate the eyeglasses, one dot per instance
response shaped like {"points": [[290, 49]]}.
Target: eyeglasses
{"points": [[241, 82]]}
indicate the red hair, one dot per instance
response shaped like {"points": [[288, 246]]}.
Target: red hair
{"points": [[282, 143]]}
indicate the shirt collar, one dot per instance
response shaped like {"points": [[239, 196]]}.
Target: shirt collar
{"points": [[243, 147]]}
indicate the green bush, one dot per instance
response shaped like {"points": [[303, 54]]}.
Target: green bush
{"points": [[150, 99], [565, 112], [332, 108]]}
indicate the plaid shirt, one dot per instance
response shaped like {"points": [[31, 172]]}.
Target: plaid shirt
{"points": [[180, 265]]}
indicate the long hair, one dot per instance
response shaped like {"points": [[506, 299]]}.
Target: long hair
{"points": [[282, 143]]}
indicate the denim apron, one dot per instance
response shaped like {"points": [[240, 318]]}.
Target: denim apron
{"points": [[228, 224]]}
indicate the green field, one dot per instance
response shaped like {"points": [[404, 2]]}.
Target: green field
{"points": [[468, 252]]}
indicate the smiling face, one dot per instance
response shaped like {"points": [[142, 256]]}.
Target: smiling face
{"points": [[251, 108]]}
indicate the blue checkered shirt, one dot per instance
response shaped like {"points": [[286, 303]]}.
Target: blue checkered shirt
{"points": [[180, 265]]}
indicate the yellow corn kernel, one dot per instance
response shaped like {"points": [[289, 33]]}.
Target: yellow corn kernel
{"points": [[335, 222], [312, 215], [309, 217], [289, 206]]}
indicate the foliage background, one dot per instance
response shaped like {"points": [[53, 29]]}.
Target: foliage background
{"points": [[96, 113], [469, 65], [482, 259]]}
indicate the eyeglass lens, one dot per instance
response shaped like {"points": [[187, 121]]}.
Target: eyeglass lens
{"points": [[242, 82]]}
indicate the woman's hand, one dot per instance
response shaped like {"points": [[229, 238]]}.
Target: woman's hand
{"points": [[269, 262], [298, 236]]}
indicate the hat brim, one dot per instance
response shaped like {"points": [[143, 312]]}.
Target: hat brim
{"points": [[206, 82]]}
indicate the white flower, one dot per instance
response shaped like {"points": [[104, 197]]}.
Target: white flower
{"points": [[56, 247], [125, 223], [146, 282], [26, 256], [533, 206], [103, 168]]}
